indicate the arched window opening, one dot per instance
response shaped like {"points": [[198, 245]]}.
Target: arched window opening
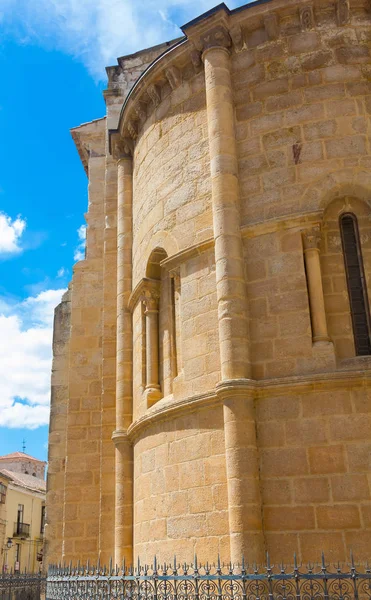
{"points": [[357, 289]]}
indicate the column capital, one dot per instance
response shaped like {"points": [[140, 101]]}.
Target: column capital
{"points": [[151, 298], [120, 148], [312, 238], [218, 37]]}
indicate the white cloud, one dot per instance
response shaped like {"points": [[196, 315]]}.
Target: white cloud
{"points": [[10, 234], [62, 272], [79, 253], [98, 31], [25, 359]]}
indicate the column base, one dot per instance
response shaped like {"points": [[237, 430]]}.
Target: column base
{"points": [[323, 358], [153, 395]]}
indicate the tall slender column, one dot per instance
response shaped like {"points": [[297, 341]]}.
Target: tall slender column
{"points": [[230, 278], [151, 303], [311, 240], [244, 504], [124, 365]]}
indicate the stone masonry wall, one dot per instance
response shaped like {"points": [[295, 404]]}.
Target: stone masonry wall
{"points": [[171, 176], [180, 492], [302, 96]]}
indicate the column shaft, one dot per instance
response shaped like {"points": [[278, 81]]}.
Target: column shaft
{"points": [[315, 288], [151, 302], [152, 349], [244, 506], [230, 279], [124, 400]]}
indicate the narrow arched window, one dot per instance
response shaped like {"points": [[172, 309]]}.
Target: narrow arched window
{"points": [[357, 289]]}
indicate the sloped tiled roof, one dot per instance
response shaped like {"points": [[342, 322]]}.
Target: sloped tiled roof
{"points": [[15, 455], [26, 481]]}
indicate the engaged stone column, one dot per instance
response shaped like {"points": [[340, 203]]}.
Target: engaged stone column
{"points": [[311, 240], [230, 279], [244, 505], [124, 400], [151, 303]]}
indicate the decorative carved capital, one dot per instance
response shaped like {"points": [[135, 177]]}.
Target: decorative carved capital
{"points": [[150, 299], [272, 26], [237, 37], [312, 238], [342, 12], [154, 92], [121, 147], [173, 76], [307, 18], [216, 38]]}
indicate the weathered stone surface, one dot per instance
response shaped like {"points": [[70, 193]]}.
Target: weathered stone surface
{"points": [[227, 276]]}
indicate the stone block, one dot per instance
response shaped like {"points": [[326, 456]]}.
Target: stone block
{"points": [[308, 490], [326, 460], [289, 518]]}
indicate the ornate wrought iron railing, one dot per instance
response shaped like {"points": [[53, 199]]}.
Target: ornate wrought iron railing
{"points": [[210, 582], [22, 586]]}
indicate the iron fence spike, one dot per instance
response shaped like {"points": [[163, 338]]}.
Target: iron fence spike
{"points": [[351, 558]]}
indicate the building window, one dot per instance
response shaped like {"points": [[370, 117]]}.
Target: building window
{"points": [[2, 493], [357, 289]]}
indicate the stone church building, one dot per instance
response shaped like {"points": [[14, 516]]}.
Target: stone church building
{"points": [[212, 356]]}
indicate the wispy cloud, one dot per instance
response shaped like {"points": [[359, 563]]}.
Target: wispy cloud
{"points": [[25, 359], [62, 272], [98, 31], [79, 253], [10, 234]]}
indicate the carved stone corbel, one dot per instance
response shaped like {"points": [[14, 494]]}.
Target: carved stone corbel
{"points": [[140, 110], [307, 18], [237, 37], [196, 59], [154, 92], [272, 26], [173, 76], [132, 129], [342, 12]]}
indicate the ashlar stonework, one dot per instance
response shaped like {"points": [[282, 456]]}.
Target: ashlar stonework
{"points": [[207, 391]]}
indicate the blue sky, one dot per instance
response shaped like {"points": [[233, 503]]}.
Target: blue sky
{"points": [[52, 59]]}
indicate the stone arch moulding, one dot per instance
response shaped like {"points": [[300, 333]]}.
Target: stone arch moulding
{"points": [[163, 240], [349, 182]]}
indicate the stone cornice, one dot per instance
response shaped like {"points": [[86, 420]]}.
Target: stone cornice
{"points": [[168, 407], [235, 30]]}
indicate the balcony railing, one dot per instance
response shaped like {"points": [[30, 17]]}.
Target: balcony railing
{"points": [[21, 530]]}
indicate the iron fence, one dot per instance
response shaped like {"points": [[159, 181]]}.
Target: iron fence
{"points": [[210, 582], [22, 586]]}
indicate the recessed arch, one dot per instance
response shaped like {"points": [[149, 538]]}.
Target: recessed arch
{"points": [[153, 270]]}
